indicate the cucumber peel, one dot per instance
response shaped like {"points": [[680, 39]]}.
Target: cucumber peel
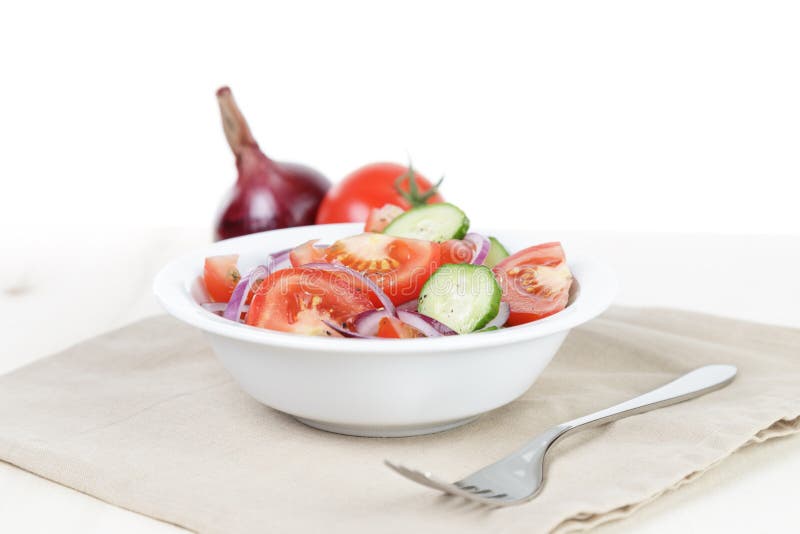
{"points": [[432, 222], [497, 253]]}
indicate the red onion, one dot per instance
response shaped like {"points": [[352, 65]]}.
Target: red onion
{"points": [[411, 305], [280, 259], [233, 310], [501, 317], [481, 244], [427, 325], [366, 323], [387, 304], [344, 331], [268, 194]]}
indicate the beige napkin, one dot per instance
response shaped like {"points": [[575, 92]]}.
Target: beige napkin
{"points": [[145, 418]]}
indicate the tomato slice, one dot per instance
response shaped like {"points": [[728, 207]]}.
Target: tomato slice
{"points": [[379, 218], [306, 253], [399, 266], [535, 282], [297, 300], [457, 251], [392, 327], [221, 275]]}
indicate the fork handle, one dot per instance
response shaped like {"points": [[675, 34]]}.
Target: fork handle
{"points": [[693, 384]]}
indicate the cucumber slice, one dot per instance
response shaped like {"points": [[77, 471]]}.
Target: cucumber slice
{"points": [[433, 222], [497, 253], [464, 297]]}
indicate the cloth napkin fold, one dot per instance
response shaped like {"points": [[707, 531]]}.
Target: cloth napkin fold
{"points": [[146, 418]]}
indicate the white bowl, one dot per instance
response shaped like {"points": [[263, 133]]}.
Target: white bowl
{"points": [[366, 387]]}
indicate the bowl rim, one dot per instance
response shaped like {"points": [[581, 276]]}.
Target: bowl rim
{"points": [[598, 286]]}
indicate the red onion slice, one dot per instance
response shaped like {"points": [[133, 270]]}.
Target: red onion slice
{"points": [[387, 304], [275, 262], [280, 259], [366, 323], [411, 305], [344, 331], [501, 317], [418, 321], [233, 310], [481, 244], [427, 325]]}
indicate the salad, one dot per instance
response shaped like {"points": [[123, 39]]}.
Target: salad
{"points": [[411, 273]]}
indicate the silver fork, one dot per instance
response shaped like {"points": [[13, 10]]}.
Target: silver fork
{"points": [[519, 477]]}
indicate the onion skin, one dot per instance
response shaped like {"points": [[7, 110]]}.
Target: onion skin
{"points": [[267, 194], [482, 245], [501, 318], [344, 331], [422, 323]]}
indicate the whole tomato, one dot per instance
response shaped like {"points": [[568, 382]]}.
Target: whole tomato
{"points": [[374, 186]]}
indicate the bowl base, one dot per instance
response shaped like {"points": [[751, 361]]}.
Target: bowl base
{"points": [[386, 431]]}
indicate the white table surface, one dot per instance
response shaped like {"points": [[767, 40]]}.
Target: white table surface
{"points": [[60, 286]]}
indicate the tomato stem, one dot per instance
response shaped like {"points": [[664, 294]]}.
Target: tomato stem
{"points": [[413, 195]]}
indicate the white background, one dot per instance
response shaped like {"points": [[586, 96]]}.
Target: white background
{"points": [[653, 116], [673, 116]]}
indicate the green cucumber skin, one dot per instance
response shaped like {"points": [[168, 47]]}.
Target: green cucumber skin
{"points": [[497, 253], [462, 231], [428, 299], [395, 228]]}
